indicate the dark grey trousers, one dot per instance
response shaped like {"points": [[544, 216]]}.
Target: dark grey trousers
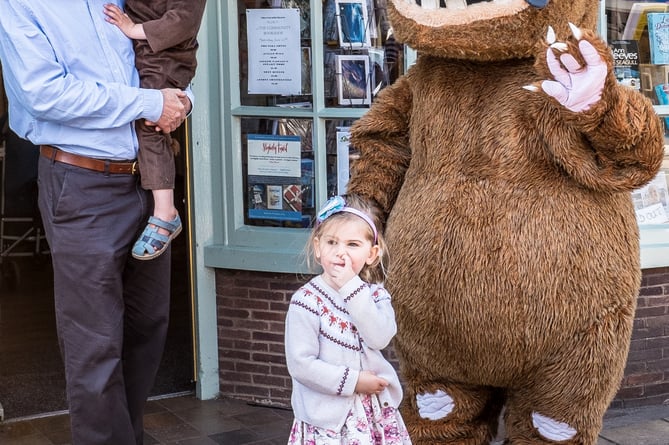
{"points": [[111, 310]]}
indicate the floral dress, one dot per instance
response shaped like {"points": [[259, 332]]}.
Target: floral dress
{"points": [[366, 424]]}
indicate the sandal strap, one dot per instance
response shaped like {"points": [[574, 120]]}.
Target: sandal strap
{"points": [[170, 226]]}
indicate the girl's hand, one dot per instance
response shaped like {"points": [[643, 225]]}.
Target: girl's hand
{"points": [[343, 273], [369, 383]]}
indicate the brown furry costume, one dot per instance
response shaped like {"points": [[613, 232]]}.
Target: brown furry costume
{"points": [[512, 237]]}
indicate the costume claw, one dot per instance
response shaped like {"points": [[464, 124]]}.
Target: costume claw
{"points": [[550, 35], [576, 31], [560, 46], [532, 88]]}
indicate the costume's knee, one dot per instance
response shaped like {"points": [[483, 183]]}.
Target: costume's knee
{"points": [[449, 416], [552, 429], [435, 405], [539, 429]]}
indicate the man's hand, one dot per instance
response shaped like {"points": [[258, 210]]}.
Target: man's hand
{"points": [[175, 107]]}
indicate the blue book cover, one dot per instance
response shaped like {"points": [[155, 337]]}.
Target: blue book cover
{"points": [[662, 93], [658, 37]]}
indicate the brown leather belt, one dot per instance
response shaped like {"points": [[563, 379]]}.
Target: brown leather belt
{"points": [[98, 165]]}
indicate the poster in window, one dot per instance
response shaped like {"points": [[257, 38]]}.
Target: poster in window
{"points": [[352, 23], [275, 53], [343, 152], [353, 80], [651, 202], [274, 177]]}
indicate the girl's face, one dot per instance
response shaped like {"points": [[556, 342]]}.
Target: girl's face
{"points": [[348, 237]]}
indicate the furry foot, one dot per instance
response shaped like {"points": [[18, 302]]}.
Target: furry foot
{"points": [[434, 406], [551, 428]]}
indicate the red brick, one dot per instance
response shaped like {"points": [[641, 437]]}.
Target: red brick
{"points": [[630, 392], [236, 377], [645, 312], [272, 316], [657, 389], [254, 368], [235, 355], [659, 342], [651, 290], [235, 333], [268, 358], [639, 379], [270, 380], [644, 355], [252, 324], [268, 336], [249, 303]]}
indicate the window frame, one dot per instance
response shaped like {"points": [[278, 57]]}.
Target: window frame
{"points": [[234, 245]]}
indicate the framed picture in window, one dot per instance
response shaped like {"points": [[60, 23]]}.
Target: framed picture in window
{"points": [[353, 23], [353, 80]]}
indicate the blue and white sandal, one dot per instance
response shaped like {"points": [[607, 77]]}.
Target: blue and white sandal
{"points": [[150, 243]]}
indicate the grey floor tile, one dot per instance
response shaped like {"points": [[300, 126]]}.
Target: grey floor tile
{"points": [[654, 432]]}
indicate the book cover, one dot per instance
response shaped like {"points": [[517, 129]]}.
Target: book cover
{"points": [[662, 93], [658, 37], [626, 62], [637, 19]]}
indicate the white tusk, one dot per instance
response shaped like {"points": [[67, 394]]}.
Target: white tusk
{"points": [[550, 35], [560, 46], [429, 4], [578, 34], [532, 88], [455, 4]]}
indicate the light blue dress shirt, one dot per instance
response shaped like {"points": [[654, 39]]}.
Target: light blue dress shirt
{"points": [[70, 77]]}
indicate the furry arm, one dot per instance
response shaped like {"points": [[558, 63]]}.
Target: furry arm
{"points": [[617, 144], [381, 135]]}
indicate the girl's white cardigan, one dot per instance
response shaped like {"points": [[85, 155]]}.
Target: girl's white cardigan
{"points": [[330, 337]]}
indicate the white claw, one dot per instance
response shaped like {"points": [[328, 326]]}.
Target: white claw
{"points": [[550, 35], [531, 88], [576, 31], [560, 46]]}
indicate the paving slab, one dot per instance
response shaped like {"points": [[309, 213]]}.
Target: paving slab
{"points": [[654, 432]]}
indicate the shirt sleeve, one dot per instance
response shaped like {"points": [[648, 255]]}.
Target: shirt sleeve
{"points": [[371, 310], [50, 91], [180, 23], [302, 352]]}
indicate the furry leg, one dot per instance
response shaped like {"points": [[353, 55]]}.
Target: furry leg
{"points": [[451, 414]]}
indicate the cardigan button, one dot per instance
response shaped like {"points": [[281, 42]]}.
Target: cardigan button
{"points": [[385, 403]]}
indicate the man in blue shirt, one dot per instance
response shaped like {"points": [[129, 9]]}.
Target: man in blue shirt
{"points": [[73, 90]]}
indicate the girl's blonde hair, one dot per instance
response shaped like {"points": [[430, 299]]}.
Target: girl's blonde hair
{"points": [[370, 273]]}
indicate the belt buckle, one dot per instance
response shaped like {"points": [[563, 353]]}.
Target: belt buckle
{"points": [[134, 170]]}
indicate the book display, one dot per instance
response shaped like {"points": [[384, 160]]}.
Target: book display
{"points": [[286, 64], [638, 34]]}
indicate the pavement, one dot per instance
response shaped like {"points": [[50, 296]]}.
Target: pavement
{"points": [[184, 420]]}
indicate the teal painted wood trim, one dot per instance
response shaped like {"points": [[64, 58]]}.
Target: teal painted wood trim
{"points": [[255, 258]]}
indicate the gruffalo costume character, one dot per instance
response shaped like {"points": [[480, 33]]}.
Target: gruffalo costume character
{"points": [[504, 160]]}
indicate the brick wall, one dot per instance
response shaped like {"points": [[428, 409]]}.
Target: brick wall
{"points": [[646, 380], [251, 308]]}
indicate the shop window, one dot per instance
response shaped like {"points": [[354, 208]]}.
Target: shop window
{"points": [[293, 77], [638, 33], [296, 74]]}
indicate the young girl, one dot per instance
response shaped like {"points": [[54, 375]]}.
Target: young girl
{"points": [[344, 390]]}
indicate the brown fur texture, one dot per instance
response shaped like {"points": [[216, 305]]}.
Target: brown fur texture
{"points": [[512, 237]]}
